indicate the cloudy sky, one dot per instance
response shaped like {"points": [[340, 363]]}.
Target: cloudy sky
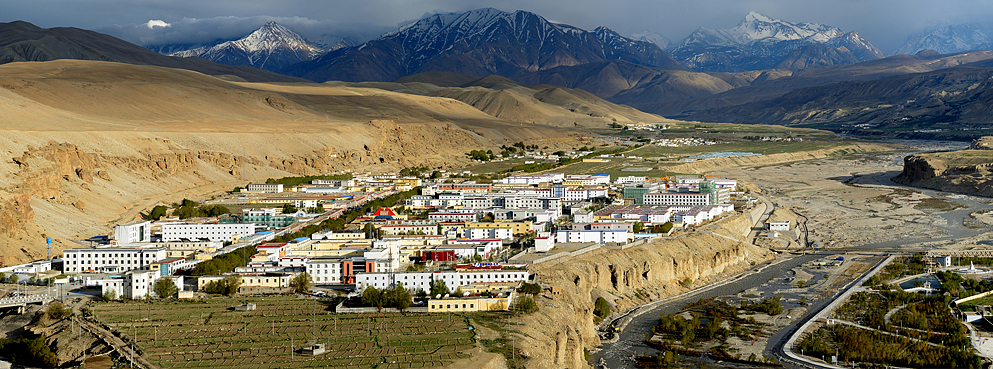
{"points": [[885, 23]]}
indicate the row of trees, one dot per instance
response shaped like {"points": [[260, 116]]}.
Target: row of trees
{"points": [[187, 209], [296, 181], [397, 297], [225, 263], [227, 286]]}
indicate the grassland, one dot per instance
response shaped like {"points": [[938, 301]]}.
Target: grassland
{"points": [[209, 334]]}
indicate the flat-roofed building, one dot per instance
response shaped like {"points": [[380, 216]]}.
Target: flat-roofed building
{"points": [[264, 187], [134, 232], [213, 232], [110, 259]]}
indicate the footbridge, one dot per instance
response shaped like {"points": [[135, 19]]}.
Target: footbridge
{"points": [[21, 301], [966, 253]]}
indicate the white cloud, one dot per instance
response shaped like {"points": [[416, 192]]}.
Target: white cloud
{"points": [[157, 23]]}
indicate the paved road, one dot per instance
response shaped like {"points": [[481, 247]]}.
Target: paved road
{"points": [[631, 339]]}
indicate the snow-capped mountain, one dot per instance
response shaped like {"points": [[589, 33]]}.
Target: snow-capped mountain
{"points": [[271, 47], [761, 42], [479, 42], [652, 37], [950, 39]]}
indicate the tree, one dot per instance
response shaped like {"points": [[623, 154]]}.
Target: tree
{"points": [[227, 286], [438, 287], [157, 212], [289, 209], [374, 297], [301, 283], [164, 287], [400, 298], [601, 308], [638, 227]]}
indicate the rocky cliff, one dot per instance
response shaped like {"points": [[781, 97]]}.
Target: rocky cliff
{"points": [[966, 171], [556, 335]]}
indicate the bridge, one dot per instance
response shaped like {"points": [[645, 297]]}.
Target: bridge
{"points": [[967, 253], [21, 301]]}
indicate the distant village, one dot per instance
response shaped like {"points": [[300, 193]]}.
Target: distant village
{"points": [[478, 240]]}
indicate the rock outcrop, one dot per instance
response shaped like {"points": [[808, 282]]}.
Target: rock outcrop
{"points": [[556, 335], [968, 171]]}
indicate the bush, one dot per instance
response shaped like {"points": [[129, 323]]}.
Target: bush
{"points": [[29, 352], [529, 288], [58, 311], [225, 263], [157, 212], [438, 287], [601, 308], [525, 305], [399, 297], [109, 296]]}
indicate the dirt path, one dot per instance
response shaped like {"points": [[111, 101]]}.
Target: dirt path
{"points": [[118, 345]]}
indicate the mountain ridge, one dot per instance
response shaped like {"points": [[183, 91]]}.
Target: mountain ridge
{"points": [[271, 47]]}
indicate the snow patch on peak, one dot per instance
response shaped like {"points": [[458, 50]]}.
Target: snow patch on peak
{"points": [[756, 16]]}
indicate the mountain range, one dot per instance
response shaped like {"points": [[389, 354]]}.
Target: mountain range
{"points": [[22, 41], [479, 42], [950, 39], [760, 42]]}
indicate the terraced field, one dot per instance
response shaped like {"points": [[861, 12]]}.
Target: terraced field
{"points": [[210, 334]]}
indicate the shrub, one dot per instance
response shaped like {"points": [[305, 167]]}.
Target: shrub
{"points": [[525, 305], [601, 309], [227, 286], [58, 311]]}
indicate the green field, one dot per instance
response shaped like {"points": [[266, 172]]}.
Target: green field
{"points": [[209, 334]]}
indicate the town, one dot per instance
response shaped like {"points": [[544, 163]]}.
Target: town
{"points": [[472, 237]]}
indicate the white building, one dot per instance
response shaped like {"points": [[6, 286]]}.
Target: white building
{"points": [[213, 232], [34, 267], [137, 284], [452, 217], [629, 179], [586, 236], [134, 232], [488, 233], [264, 187], [544, 242], [779, 226], [535, 179], [677, 199], [453, 279], [110, 260]]}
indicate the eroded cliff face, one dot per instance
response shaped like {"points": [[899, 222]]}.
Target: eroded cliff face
{"points": [[962, 172], [556, 335], [73, 185]]}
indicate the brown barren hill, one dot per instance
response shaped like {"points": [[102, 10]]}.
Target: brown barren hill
{"points": [[90, 144]]}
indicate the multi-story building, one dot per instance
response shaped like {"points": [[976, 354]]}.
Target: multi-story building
{"points": [[452, 217], [487, 233], [465, 187], [264, 187], [648, 214], [535, 179], [110, 260], [587, 236], [516, 228], [213, 232], [453, 279], [134, 232], [677, 199], [136, 284]]}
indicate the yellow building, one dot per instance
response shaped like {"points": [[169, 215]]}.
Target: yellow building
{"points": [[468, 304], [252, 280], [517, 228]]}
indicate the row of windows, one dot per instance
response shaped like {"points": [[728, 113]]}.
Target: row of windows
{"points": [[449, 306]]}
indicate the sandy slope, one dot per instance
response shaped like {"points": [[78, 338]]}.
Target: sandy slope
{"points": [[86, 144]]}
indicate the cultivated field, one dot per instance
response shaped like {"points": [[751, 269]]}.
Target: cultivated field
{"points": [[209, 334]]}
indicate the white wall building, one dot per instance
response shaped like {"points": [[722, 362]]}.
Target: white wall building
{"points": [[453, 279], [264, 187], [134, 232], [110, 260], [452, 217], [213, 232], [488, 233], [779, 226], [586, 236], [137, 284], [544, 242], [676, 199]]}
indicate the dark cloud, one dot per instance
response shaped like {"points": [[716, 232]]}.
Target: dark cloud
{"points": [[886, 23]]}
